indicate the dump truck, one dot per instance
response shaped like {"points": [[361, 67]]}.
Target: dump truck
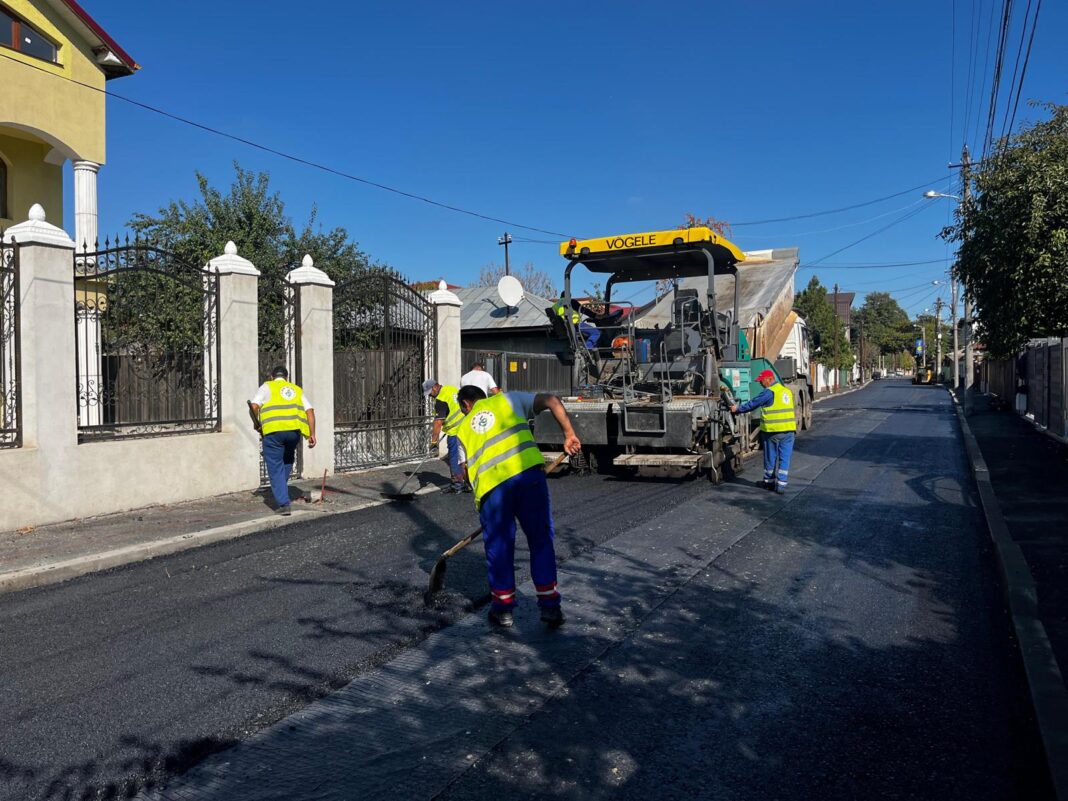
{"points": [[654, 393]]}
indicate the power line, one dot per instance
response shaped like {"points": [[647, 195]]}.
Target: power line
{"points": [[291, 157], [1027, 58], [886, 227], [843, 208], [880, 266]]}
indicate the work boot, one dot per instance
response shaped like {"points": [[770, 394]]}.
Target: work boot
{"points": [[552, 616], [768, 485], [501, 617], [285, 511], [780, 489]]}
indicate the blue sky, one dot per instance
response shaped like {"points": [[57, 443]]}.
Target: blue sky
{"points": [[579, 118]]}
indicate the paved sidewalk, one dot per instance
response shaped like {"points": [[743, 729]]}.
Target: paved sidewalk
{"points": [[47, 554], [1029, 472]]}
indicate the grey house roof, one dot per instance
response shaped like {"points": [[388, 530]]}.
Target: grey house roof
{"points": [[761, 283], [483, 310]]}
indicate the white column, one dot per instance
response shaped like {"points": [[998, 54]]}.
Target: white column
{"points": [[239, 365], [86, 229], [315, 298], [448, 365], [447, 359], [86, 219]]}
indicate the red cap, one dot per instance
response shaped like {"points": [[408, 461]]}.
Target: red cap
{"points": [[766, 374]]}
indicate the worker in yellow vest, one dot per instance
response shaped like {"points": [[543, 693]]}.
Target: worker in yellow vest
{"points": [[282, 413], [447, 417], [591, 334], [507, 471], [778, 427]]}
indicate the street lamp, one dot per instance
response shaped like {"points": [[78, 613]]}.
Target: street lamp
{"points": [[957, 382], [930, 193]]}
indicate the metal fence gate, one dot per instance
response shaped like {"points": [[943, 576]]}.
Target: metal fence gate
{"points": [[279, 338], [524, 372], [383, 351], [10, 352]]}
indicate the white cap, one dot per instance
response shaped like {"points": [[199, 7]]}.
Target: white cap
{"points": [[428, 385]]}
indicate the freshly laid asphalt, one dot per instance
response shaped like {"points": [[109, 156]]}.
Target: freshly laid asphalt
{"points": [[852, 643]]}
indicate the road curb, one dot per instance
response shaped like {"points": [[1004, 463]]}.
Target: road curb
{"points": [[56, 572], [1044, 679]]}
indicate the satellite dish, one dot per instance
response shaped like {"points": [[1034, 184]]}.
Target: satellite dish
{"points": [[510, 290]]}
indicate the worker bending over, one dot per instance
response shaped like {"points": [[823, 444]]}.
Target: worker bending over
{"points": [[778, 425], [507, 471], [447, 416]]}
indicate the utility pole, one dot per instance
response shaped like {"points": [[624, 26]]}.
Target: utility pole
{"points": [[969, 354], [835, 334], [860, 348], [938, 337], [506, 240], [953, 312]]}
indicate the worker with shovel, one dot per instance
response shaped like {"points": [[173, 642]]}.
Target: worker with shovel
{"points": [[507, 471], [447, 417]]}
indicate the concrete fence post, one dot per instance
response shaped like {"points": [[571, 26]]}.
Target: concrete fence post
{"points": [[46, 314], [238, 334], [447, 356], [447, 362], [315, 299]]}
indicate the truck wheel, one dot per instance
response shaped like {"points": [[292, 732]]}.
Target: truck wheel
{"points": [[806, 416]]}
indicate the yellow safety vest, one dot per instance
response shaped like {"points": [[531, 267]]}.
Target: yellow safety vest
{"points": [[498, 443], [779, 415], [284, 410], [447, 395], [559, 309]]}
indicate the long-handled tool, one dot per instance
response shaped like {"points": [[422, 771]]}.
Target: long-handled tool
{"points": [[400, 494], [437, 573]]}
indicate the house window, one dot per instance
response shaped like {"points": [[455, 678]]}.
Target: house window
{"points": [[23, 37]]}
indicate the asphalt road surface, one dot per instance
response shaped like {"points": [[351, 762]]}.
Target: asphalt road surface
{"points": [[852, 645]]}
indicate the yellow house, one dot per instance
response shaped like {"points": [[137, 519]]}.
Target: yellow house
{"points": [[54, 62]]}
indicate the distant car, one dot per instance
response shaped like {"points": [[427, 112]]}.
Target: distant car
{"points": [[876, 375]]}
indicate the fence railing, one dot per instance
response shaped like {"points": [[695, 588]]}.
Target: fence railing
{"points": [[523, 372], [1035, 383], [10, 350], [146, 343]]}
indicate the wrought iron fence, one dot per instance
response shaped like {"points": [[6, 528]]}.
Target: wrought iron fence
{"points": [[147, 344], [383, 351], [10, 349], [279, 338]]}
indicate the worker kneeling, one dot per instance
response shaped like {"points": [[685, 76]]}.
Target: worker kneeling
{"points": [[507, 471], [778, 425]]}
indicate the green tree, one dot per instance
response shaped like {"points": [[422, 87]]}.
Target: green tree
{"points": [[887, 328], [1013, 237], [253, 217], [825, 326]]}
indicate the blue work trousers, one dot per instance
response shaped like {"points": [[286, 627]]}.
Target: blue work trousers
{"points": [[778, 448], [279, 453], [525, 498], [455, 469], [590, 333]]}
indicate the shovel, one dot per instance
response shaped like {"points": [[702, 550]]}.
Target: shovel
{"points": [[437, 573], [400, 494]]}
